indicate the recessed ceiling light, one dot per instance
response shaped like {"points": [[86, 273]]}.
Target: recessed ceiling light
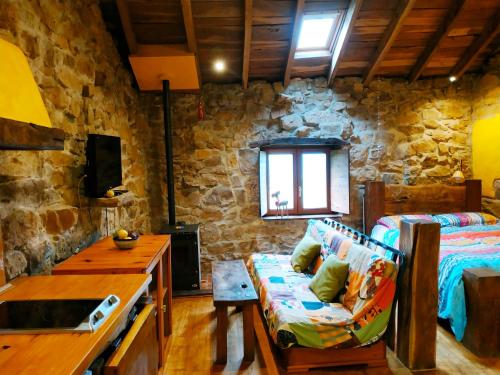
{"points": [[219, 66], [452, 78]]}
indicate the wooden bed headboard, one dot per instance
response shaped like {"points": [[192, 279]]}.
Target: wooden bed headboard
{"points": [[382, 200]]}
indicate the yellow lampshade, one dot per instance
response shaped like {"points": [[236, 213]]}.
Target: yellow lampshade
{"points": [[20, 98], [458, 177]]}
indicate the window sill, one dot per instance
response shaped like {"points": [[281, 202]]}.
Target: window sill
{"points": [[298, 217]]}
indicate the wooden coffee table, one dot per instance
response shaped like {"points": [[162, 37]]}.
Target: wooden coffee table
{"points": [[232, 286]]}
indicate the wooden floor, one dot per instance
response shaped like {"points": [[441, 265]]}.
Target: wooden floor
{"points": [[191, 349]]}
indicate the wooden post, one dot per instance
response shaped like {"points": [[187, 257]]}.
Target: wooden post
{"points": [[473, 195], [418, 299], [374, 203]]}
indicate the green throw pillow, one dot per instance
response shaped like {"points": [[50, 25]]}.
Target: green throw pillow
{"points": [[305, 252], [330, 278]]}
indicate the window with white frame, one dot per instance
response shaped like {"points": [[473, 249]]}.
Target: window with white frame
{"points": [[317, 33]]}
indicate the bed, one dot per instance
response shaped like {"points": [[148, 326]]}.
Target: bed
{"points": [[468, 241]]}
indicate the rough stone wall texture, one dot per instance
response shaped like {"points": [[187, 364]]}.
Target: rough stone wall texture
{"points": [[423, 133], [486, 104], [86, 90]]}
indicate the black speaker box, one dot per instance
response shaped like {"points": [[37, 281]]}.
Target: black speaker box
{"points": [[185, 256]]}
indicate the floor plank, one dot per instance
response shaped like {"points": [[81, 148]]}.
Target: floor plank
{"points": [[191, 349]]}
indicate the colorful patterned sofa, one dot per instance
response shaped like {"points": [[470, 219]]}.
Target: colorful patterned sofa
{"points": [[296, 317]]}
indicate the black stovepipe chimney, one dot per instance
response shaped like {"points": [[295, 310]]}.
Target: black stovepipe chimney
{"points": [[167, 122]]}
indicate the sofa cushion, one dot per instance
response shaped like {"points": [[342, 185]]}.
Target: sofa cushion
{"points": [[329, 279], [306, 250], [331, 241], [295, 315]]}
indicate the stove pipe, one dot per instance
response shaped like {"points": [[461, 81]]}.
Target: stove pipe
{"points": [[167, 123]]}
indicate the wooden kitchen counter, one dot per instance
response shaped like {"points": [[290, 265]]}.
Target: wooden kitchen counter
{"points": [[152, 255], [66, 353], [105, 257]]}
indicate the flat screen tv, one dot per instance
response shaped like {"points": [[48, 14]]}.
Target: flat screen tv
{"points": [[104, 164]]}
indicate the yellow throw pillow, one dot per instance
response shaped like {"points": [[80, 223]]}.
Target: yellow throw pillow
{"points": [[330, 278], [305, 252]]}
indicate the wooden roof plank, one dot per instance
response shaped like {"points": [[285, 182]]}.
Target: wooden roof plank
{"points": [[187, 15], [344, 35], [127, 25], [299, 11], [490, 31], [388, 38], [247, 42], [433, 44]]}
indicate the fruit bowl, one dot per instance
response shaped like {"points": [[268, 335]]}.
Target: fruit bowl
{"points": [[125, 240]]}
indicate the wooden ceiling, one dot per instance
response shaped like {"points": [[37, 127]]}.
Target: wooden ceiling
{"points": [[257, 38]]}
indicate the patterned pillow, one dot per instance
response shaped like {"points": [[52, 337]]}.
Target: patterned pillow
{"points": [[317, 229], [332, 242], [392, 222], [464, 219]]}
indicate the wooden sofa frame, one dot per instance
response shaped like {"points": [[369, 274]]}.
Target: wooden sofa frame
{"points": [[382, 200], [299, 359]]}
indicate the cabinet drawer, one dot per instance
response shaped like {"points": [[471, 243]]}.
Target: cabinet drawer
{"points": [[138, 352]]}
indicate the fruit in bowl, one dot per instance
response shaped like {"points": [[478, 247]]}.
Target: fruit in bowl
{"points": [[125, 240]]}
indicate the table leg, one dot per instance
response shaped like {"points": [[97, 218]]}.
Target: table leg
{"points": [[222, 323], [248, 334]]}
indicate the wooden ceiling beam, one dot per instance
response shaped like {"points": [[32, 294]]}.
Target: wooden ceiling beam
{"points": [[247, 43], [187, 15], [433, 44], [343, 38], [390, 35], [299, 12], [127, 25], [490, 31]]}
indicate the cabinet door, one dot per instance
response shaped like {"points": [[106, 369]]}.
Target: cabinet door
{"points": [[138, 352]]}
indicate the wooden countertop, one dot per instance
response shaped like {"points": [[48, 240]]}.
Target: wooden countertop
{"points": [[105, 257], [66, 353]]}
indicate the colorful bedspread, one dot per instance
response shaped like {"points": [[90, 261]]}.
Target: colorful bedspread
{"points": [[461, 247]]}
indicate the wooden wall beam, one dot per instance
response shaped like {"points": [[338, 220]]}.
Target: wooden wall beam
{"points": [[390, 35], [247, 44], [374, 202], [16, 135], [417, 305], [433, 43], [3, 278], [187, 15], [490, 31], [299, 12], [127, 25], [343, 38]]}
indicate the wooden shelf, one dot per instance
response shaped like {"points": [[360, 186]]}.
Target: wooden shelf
{"points": [[16, 135], [125, 199]]}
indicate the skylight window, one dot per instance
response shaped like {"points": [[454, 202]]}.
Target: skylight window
{"points": [[317, 32]]}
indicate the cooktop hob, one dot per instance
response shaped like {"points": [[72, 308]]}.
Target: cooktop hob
{"points": [[55, 316]]}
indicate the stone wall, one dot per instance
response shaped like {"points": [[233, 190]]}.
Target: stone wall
{"points": [[86, 90], [423, 133]]}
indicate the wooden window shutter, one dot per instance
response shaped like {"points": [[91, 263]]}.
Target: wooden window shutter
{"points": [[263, 182], [339, 181]]}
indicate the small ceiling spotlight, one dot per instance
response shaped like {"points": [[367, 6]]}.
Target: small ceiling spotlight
{"points": [[219, 66], [452, 78]]}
